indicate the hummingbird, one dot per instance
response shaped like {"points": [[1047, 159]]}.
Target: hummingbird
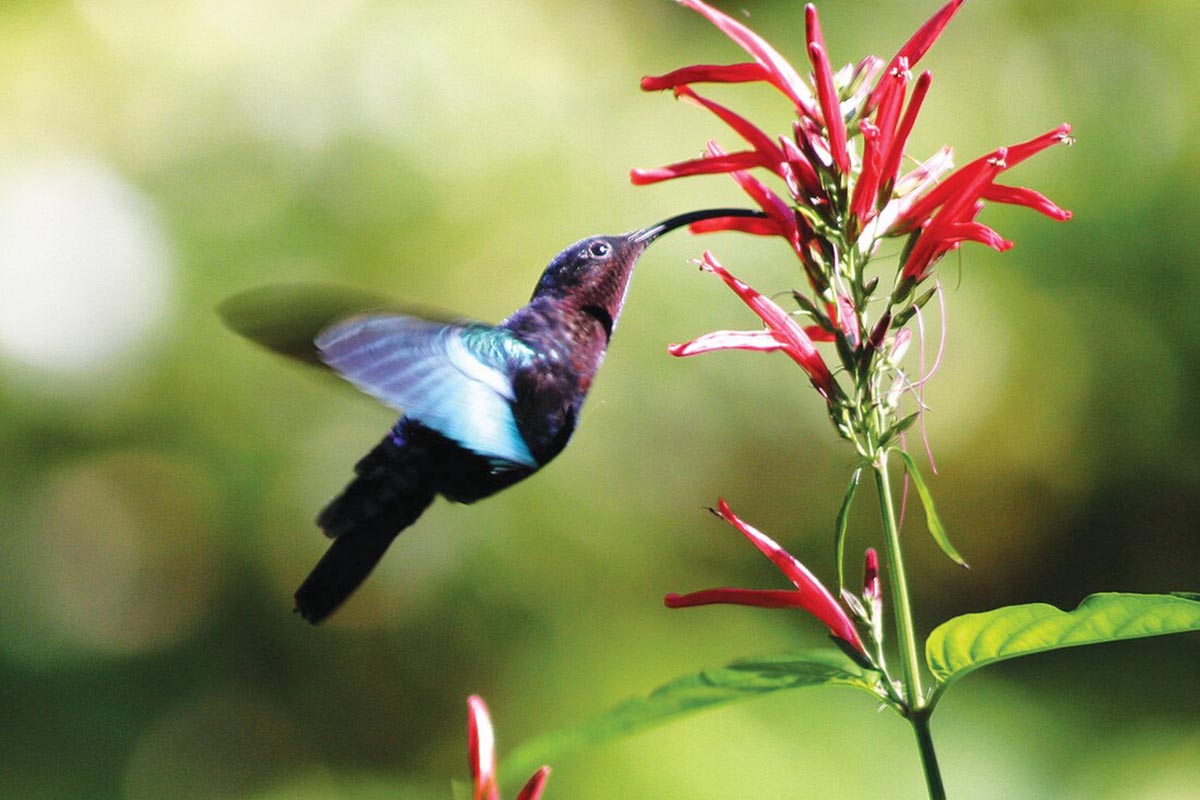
{"points": [[484, 406]]}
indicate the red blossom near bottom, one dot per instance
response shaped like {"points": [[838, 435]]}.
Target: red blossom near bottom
{"points": [[810, 594], [481, 743]]}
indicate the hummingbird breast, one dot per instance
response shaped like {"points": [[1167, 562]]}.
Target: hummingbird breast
{"points": [[549, 390]]}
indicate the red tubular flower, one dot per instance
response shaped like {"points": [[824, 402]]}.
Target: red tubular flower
{"points": [[918, 45], [709, 165], [891, 162], [871, 592], [705, 73], [771, 153], [781, 74], [878, 142], [964, 185], [1020, 196], [946, 215], [783, 331], [481, 743], [809, 593], [862, 200], [757, 226], [826, 92], [533, 788], [775, 207]]}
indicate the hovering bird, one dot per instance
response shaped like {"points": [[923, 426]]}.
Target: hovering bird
{"points": [[484, 406]]}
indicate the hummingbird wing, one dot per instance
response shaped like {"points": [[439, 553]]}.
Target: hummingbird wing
{"points": [[452, 377], [286, 318]]}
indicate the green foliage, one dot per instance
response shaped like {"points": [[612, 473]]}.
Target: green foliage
{"points": [[740, 680], [964, 644], [932, 520], [843, 519]]}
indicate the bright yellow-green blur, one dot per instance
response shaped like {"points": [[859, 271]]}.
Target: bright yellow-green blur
{"points": [[160, 476]]}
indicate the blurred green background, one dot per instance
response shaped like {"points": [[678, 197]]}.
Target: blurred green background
{"points": [[160, 475]]}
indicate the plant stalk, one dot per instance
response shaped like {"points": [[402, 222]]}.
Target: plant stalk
{"points": [[914, 695], [933, 775]]}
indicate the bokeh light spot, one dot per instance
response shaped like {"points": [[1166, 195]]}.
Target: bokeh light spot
{"points": [[221, 745], [84, 266], [121, 560]]}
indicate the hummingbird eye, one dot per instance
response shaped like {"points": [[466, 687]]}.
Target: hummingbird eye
{"points": [[599, 249]]}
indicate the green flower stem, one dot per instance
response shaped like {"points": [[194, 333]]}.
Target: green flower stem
{"points": [[933, 776], [914, 695], [898, 581]]}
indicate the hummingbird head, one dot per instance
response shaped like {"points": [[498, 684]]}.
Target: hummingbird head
{"points": [[594, 272]]}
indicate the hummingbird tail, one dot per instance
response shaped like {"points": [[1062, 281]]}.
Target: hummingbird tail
{"points": [[389, 493]]}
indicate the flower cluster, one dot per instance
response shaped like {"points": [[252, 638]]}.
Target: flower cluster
{"points": [[835, 188], [845, 192]]}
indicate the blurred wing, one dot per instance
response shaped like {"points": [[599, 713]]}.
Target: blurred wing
{"points": [[451, 377], [287, 318]]}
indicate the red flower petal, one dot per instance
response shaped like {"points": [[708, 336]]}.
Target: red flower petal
{"points": [[763, 341], [846, 319], [705, 73], [758, 226], [802, 179], [763, 598], [786, 330], [481, 747], [937, 239], [780, 73], [866, 188], [919, 44], [707, 165], [1020, 196], [916, 47], [871, 591], [967, 184], [835, 126], [827, 94], [961, 187], [772, 204], [976, 232], [818, 334], [533, 789], [891, 162], [1019, 152], [810, 594], [763, 144], [891, 100]]}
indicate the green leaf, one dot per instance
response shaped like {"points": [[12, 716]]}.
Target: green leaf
{"points": [[934, 522], [963, 644], [839, 533], [713, 687], [899, 428]]}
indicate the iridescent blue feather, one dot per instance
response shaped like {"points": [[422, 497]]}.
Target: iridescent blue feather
{"points": [[454, 378]]}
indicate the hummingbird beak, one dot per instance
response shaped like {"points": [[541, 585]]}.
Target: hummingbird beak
{"points": [[647, 235]]}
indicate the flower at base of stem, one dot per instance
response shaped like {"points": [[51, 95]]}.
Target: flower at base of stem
{"points": [[810, 594]]}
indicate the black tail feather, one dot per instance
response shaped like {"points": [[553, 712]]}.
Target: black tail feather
{"points": [[389, 494], [343, 568]]}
